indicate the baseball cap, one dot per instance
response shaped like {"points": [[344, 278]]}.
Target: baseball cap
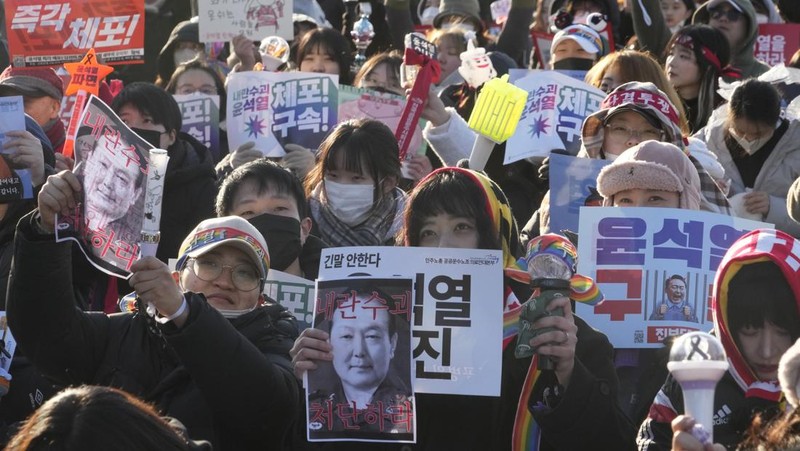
{"points": [[31, 81], [227, 230], [587, 38]]}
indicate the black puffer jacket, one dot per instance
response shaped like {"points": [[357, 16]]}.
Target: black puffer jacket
{"points": [[228, 382], [189, 192]]}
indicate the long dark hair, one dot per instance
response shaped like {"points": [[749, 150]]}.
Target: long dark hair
{"points": [[716, 45], [92, 417]]}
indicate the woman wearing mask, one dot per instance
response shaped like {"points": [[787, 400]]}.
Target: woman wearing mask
{"points": [[759, 151], [353, 190], [697, 56], [577, 47]]}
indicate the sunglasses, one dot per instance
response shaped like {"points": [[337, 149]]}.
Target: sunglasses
{"points": [[732, 14]]}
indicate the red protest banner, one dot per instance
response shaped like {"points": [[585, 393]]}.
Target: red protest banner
{"points": [[776, 43], [48, 33]]}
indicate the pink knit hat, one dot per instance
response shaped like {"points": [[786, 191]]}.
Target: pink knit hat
{"points": [[652, 165]]}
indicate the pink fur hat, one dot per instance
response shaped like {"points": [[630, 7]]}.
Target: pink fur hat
{"points": [[652, 165]]}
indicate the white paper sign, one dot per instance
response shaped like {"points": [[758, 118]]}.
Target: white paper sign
{"points": [[457, 327], [222, 20]]}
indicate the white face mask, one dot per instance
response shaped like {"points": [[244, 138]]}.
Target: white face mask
{"points": [[349, 202], [753, 146], [184, 55]]}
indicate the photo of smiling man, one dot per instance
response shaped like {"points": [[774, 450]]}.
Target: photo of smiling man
{"points": [[365, 392]]}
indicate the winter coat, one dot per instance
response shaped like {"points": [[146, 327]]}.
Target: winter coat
{"points": [[780, 170], [228, 381]]}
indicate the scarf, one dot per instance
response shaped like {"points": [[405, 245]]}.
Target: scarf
{"points": [[381, 224]]}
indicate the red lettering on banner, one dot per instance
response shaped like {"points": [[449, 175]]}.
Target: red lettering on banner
{"points": [[618, 308]]}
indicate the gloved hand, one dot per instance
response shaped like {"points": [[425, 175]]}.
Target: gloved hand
{"points": [[299, 159], [544, 169]]}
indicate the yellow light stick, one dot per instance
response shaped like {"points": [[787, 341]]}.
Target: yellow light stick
{"points": [[494, 117]]}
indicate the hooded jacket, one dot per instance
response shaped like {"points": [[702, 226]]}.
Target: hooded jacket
{"points": [[185, 31], [742, 58], [739, 391]]}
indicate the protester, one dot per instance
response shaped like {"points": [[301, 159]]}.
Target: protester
{"points": [[576, 47], [92, 417], [183, 46], [755, 330], [381, 72], [677, 13], [625, 66], [214, 356], [450, 43], [736, 19], [697, 57], [190, 181], [325, 51], [632, 114], [759, 150], [353, 190], [272, 199], [197, 77], [449, 209], [42, 92]]}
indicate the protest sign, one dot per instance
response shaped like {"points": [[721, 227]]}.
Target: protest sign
{"points": [[277, 108], [200, 113], [365, 393], [111, 162], [15, 183], [655, 267], [553, 116], [777, 42], [223, 20], [573, 184], [360, 103], [456, 342], [50, 33], [295, 293]]}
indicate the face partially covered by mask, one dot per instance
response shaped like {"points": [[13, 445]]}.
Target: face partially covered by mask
{"points": [[751, 136], [582, 64], [349, 202], [186, 51], [283, 238]]}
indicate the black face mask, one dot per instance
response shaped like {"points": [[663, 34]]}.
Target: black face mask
{"points": [[573, 64], [151, 136], [283, 238]]}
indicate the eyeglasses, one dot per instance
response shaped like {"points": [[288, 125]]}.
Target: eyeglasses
{"points": [[623, 133], [245, 277], [732, 14]]}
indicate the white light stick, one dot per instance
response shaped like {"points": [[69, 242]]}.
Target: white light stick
{"points": [[154, 192], [697, 361]]}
